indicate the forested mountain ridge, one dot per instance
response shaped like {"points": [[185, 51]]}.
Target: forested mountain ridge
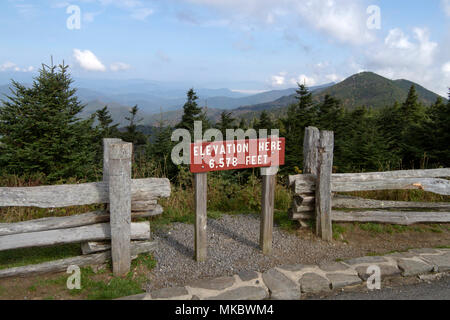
{"points": [[362, 89]]}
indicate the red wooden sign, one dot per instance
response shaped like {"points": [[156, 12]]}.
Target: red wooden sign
{"points": [[237, 154]]}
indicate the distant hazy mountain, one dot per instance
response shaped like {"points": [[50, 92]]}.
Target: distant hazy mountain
{"points": [[151, 103], [166, 101]]}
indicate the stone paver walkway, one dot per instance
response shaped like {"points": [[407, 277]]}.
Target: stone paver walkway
{"points": [[289, 282]]}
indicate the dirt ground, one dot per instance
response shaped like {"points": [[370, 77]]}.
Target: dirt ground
{"points": [[365, 240]]}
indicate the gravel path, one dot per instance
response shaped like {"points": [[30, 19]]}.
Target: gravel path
{"points": [[233, 247]]}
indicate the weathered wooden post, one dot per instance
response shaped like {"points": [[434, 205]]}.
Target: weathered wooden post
{"points": [[304, 203], [106, 146], [120, 205], [201, 245], [310, 150], [269, 180], [201, 215], [323, 186]]}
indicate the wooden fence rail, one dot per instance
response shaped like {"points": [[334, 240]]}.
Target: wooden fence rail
{"points": [[59, 196], [127, 199], [307, 184], [311, 202]]}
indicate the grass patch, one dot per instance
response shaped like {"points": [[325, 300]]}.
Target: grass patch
{"points": [[114, 288], [338, 231], [436, 228], [100, 285], [281, 218], [215, 214], [378, 228], [147, 260], [59, 281], [27, 256], [373, 227]]}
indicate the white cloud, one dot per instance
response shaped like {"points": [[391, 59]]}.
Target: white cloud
{"points": [[343, 20], [119, 66], [396, 39], [88, 61], [446, 6], [279, 79], [414, 57], [333, 77], [303, 79], [7, 66], [11, 66], [446, 68]]}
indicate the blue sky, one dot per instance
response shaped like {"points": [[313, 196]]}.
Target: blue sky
{"points": [[243, 45]]}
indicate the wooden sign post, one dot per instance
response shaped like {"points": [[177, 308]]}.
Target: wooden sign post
{"points": [[269, 180], [267, 154], [201, 187]]}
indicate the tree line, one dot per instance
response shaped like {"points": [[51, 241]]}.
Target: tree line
{"points": [[41, 131]]}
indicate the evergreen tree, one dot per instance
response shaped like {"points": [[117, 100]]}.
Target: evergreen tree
{"points": [[40, 130], [243, 124], [299, 116], [439, 132], [132, 134], [226, 122], [330, 114], [106, 130], [103, 129], [362, 147], [264, 122], [161, 148], [388, 120], [191, 113], [412, 135]]}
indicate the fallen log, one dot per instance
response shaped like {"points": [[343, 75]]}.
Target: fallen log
{"points": [[55, 223], [68, 195], [80, 261], [97, 232]]}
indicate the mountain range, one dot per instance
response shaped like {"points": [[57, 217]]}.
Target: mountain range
{"points": [[159, 101]]}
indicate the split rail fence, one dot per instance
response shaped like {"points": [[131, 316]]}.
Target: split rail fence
{"points": [[315, 191], [104, 235]]}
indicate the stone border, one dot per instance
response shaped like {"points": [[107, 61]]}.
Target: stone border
{"points": [[289, 282]]}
